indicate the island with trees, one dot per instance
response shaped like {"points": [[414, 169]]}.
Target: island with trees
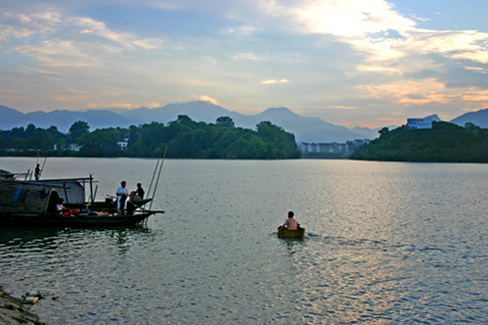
{"points": [[445, 142], [183, 138]]}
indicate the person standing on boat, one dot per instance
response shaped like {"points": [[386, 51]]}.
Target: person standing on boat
{"points": [[122, 193], [38, 172], [291, 223]]}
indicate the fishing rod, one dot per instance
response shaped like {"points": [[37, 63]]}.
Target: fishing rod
{"points": [[43, 166], [157, 181], [152, 179]]}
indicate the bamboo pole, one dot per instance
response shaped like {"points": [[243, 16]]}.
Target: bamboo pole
{"points": [[42, 169], [152, 179], [91, 188], [159, 174]]}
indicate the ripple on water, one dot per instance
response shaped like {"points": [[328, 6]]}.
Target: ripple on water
{"points": [[386, 243]]}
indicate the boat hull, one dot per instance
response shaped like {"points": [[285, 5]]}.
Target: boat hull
{"points": [[83, 221], [287, 233]]}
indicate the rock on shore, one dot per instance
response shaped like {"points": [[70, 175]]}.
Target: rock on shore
{"points": [[13, 312]]}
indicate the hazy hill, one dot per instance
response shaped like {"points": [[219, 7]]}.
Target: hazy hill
{"points": [[434, 118], [11, 118], [198, 111], [306, 129], [445, 142], [479, 118]]}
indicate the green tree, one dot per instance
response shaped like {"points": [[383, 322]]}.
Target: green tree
{"points": [[3, 142], [225, 121], [61, 144], [19, 144], [29, 131], [383, 131], [40, 140], [78, 129], [101, 143]]}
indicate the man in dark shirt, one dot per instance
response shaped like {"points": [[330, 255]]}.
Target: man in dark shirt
{"points": [[138, 194]]}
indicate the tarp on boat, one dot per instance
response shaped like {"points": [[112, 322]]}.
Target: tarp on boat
{"points": [[21, 199], [71, 190]]}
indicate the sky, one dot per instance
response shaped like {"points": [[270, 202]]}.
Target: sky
{"points": [[368, 63]]}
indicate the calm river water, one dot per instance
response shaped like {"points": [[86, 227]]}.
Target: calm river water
{"points": [[386, 243]]}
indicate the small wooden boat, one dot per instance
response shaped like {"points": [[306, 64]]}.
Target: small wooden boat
{"points": [[287, 233]]}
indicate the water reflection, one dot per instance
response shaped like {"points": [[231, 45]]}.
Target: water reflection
{"points": [[24, 235], [385, 243]]}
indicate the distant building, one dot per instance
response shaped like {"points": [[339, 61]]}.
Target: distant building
{"points": [[303, 146], [331, 148], [312, 147], [123, 144], [419, 123], [74, 147]]}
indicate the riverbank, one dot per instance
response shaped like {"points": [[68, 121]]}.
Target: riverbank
{"points": [[13, 312]]}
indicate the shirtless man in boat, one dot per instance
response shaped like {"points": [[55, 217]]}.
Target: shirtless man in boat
{"points": [[290, 223]]}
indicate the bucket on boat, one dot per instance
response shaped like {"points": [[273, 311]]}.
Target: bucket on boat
{"points": [[71, 212]]}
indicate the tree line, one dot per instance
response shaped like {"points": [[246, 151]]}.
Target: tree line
{"points": [[445, 142], [183, 138]]}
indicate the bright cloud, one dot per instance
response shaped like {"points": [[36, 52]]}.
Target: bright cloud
{"points": [[273, 81], [476, 69], [208, 99], [344, 107], [481, 96], [246, 56], [123, 39], [57, 54], [243, 31], [355, 21], [52, 50], [350, 18], [153, 105], [412, 92]]}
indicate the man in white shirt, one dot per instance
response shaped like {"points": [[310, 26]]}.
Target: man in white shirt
{"points": [[122, 193], [60, 209]]}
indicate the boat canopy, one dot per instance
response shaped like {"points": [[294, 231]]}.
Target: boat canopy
{"points": [[18, 199]]}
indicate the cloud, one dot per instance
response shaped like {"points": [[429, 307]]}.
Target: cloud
{"points": [[125, 40], [273, 81], [412, 92], [54, 39], [243, 30], [481, 96], [208, 100], [114, 104], [246, 56], [153, 105], [378, 68], [344, 107], [366, 25], [350, 18], [24, 25], [57, 54], [475, 69]]}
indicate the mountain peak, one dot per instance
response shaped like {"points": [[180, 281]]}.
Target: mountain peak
{"points": [[479, 118], [434, 117]]}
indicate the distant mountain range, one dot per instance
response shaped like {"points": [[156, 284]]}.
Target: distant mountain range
{"points": [[306, 129]]}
